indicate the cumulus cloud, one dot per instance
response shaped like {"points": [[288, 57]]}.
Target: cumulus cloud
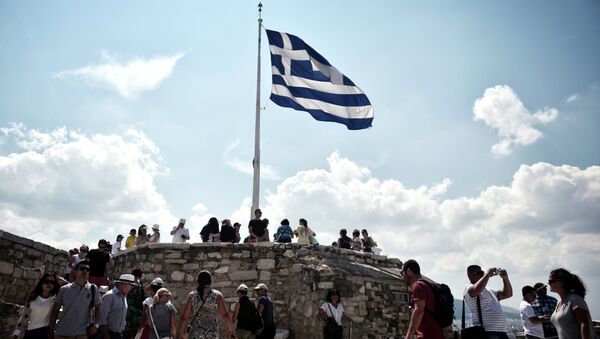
{"points": [[128, 78], [233, 160], [63, 185], [501, 109], [549, 216]]}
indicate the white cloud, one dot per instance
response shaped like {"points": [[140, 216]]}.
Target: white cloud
{"points": [[66, 187], [572, 98], [128, 78], [232, 160], [501, 109], [549, 216]]}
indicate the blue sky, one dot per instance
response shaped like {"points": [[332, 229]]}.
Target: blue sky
{"points": [[485, 131]]}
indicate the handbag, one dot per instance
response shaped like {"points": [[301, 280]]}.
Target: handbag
{"points": [[473, 332], [331, 326]]}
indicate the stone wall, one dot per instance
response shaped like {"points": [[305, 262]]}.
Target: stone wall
{"points": [[298, 280], [22, 262]]}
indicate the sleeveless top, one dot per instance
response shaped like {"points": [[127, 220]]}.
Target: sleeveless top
{"points": [[205, 324]]}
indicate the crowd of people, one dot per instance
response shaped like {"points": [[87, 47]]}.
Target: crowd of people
{"points": [[56, 309], [226, 232], [543, 316]]}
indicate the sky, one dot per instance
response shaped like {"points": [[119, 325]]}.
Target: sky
{"points": [[484, 147]]}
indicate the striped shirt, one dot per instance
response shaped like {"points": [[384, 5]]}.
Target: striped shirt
{"points": [[493, 317]]}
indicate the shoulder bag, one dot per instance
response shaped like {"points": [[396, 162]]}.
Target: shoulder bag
{"points": [[473, 332], [154, 326], [331, 326]]}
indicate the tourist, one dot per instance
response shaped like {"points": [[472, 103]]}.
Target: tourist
{"points": [[201, 310], [35, 318], [227, 233], [494, 322], [284, 232], [180, 233], [356, 242], [303, 232], [83, 251], [162, 316], [114, 308], [135, 300], [265, 309], [330, 315], [344, 241], [116, 248], [130, 242], [69, 265], [334, 244], [532, 324], [210, 231], [572, 317], [75, 299], [257, 228], [155, 285], [368, 243], [543, 306], [155, 237], [142, 237], [422, 297], [100, 262], [243, 314], [237, 227]]}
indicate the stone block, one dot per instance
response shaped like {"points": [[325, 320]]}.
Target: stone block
{"points": [[191, 266], [177, 275], [173, 255], [245, 254], [210, 264], [283, 272], [289, 253], [215, 255], [325, 285], [265, 264], [222, 270], [265, 276], [243, 275], [221, 284], [6, 267]]}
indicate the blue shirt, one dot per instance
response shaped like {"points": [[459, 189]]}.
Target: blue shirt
{"points": [[113, 310], [267, 312], [284, 234]]}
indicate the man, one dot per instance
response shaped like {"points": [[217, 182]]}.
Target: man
{"points": [[180, 233], [238, 237], [130, 242], [532, 324], [116, 248], [423, 301], [100, 262], [79, 300], [543, 306], [494, 322], [265, 309], [258, 228], [135, 300], [344, 241], [114, 308]]}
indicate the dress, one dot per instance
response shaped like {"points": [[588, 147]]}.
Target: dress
{"points": [[204, 323]]}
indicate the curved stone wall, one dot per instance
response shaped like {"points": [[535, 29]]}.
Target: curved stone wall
{"points": [[298, 278]]}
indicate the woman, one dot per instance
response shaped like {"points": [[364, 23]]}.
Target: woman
{"points": [[199, 317], [36, 315], [227, 233], [210, 232], [162, 316], [155, 237], [243, 314], [356, 242], [330, 315], [284, 233], [143, 237], [368, 243], [571, 317], [303, 232]]}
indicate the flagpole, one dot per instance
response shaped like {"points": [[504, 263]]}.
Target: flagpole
{"points": [[256, 160]]}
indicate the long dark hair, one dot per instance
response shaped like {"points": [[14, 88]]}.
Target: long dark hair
{"points": [[571, 282], [204, 279], [38, 288], [331, 293]]}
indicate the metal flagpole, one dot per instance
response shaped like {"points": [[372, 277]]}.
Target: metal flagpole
{"points": [[256, 160]]}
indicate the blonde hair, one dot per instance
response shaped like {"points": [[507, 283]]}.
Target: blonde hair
{"points": [[160, 293]]}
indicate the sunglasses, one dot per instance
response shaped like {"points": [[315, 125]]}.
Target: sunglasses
{"points": [[84, 268]]}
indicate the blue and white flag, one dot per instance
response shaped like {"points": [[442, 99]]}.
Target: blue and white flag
{"points": [[305, 81]]}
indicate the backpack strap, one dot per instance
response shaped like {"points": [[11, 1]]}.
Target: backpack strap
{"points": [[478, 312]]}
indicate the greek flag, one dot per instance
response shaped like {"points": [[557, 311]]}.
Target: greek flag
{"points": [[305, 81]]}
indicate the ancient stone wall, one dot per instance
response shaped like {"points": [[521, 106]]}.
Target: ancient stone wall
{"points": [[298, 280], [22, 262]]}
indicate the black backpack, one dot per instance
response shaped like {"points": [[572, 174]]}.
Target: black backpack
{"points": [[444, 303], [255, 321]]}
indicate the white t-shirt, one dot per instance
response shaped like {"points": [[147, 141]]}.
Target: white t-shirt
{"points": [[337, 312], [530, 328], [493, 317], [40, 312], [116, 248], [178, 233]]}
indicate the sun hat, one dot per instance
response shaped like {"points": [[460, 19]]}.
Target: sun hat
{"points": [[156, 282], [261, 286], [156, 227], [242, 287], [127, 279]]}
